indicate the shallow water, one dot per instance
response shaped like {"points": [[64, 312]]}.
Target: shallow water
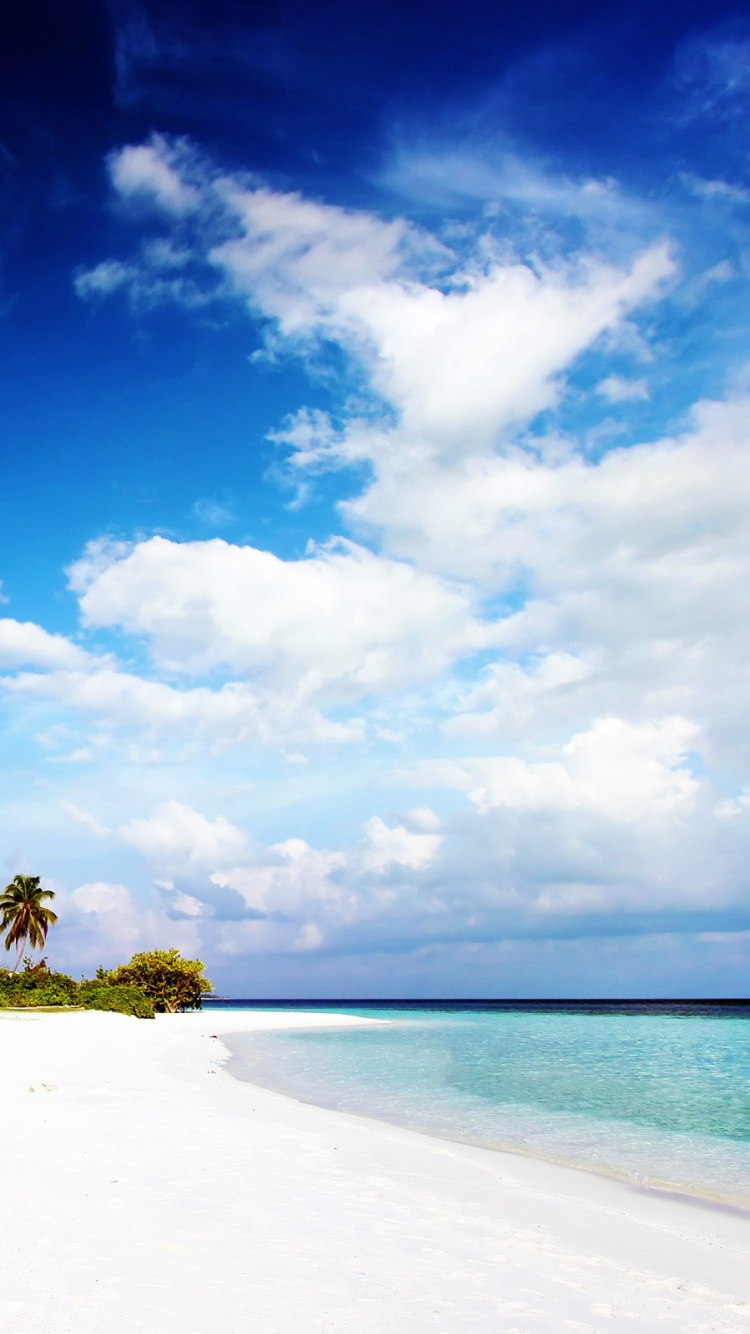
{"points": [[656, 1097]]}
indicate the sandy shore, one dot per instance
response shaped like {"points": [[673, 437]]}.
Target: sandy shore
{"points": [[145, 1191]]}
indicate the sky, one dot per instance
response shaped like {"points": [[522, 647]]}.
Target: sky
{"points": [[374, 528]]}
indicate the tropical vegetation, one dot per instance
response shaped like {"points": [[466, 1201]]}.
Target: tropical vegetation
{"points": [[123, 1000], [36, 987], [170, 982], [155, 981]]}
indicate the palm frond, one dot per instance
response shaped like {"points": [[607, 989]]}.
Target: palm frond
{"points": [[24, 916]]}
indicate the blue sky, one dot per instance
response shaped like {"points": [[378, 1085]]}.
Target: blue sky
{"points": [[376, 431]]}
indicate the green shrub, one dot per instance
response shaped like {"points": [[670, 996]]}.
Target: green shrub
{"points": [[26, 999], [37, 986], [120, 999], [171, 982]]}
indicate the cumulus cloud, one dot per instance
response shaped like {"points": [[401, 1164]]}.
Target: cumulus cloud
{"points": [[24, 644], [312, 898], [342, 622], [460, 366], [296, 881], [288, 895], [626, 574], [622, 770], [101, 897], [297, 877], [177, 838], [532, 514], [104, 922], [388, 846]]}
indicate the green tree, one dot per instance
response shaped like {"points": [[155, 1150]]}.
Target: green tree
{"points": [[170, 982], [24, 916]]}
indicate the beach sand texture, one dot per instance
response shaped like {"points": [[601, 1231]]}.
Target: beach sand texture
{"points": [[146, 1191]]}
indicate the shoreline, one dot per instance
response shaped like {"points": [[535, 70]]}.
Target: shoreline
{"points": [[672, 1190], [150, 1190], [691, 1194]]}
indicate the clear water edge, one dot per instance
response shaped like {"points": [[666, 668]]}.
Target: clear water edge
{"points": [[575, 1089], [675, 1188]]}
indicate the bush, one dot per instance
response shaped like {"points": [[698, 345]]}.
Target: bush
{"points": [[170, 982], [120, 999], [37, 986]]}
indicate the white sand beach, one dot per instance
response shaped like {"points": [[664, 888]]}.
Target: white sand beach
{"points": [[145, 1191]]}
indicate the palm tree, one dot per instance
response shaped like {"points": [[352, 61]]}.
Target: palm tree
{"points": [[23, 915]]}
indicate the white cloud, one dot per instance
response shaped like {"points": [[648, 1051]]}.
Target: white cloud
{"points": [[296, 258], [423, 820], [84, 819], [460, 346], [101, 897], [152, 171], [232, 713], [618, 389], [341, 623], [104, 279], [724, 191], [388, 846], [460, 366], [635, 565], [457, 361], [621, 770], [177, 838], [296, 878], [188, 905], [606, 823], [480, 167], [310, 897], [153, 279], [507, 695], [24, 644]]}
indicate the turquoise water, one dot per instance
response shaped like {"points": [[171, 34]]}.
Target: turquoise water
{"points": [[658, 1098]]}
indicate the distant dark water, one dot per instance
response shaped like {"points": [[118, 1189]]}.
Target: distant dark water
{"points": [[738, 1008]]}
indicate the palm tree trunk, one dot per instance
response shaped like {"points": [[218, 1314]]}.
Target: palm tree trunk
{"points": [[20, 956]]}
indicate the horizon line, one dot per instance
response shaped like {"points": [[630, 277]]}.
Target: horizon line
{"points": [[485, 1000]]}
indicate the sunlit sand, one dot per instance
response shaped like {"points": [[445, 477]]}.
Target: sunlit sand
{"points": [[146, 1190]]}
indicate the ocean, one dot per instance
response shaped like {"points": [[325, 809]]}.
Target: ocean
{"points": [[657, 1094]]}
